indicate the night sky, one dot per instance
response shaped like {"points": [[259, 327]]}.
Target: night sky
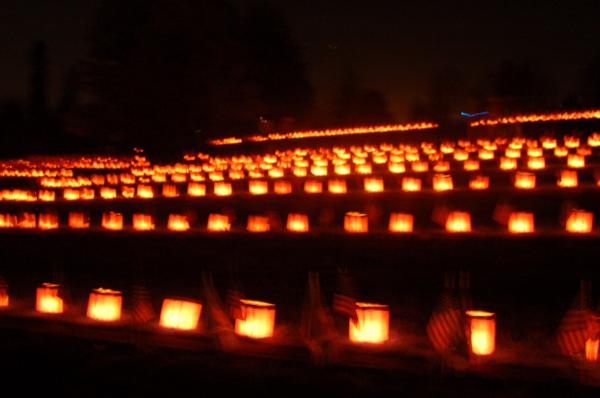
{"points": [[393, 45]]}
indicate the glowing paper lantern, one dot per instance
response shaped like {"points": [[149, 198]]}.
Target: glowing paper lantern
{"points": [[26, 220], [567, 179], [591, 350], [442, 182], [521, 223], [441, 167], [108, 193], [178, 222], [47, 221], [46, 195], [297, 223], [580, 222], [313, 186], [258, 224], [355, 222], [481, 332], [48, 300], [401, 222], [143, 222], [145, 192], [218, 223], [4, 299], [180, 314], [479, 182], [561, 151], [536, 163], [105, 305], [196, 189], [576, 161], [372, 324], [222, 188], [397, 168], [71, 194], [112, 220], [507, 163], [373, 184], [336, 186], [410, 184], [78, 220], [342, 169], [257, 320], [87, 194], [458, 222], [524, 180], [471, 165], [169, 191], [282, 187], [258, 187], [420, 166]]}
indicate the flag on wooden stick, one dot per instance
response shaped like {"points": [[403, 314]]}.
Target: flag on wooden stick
{"points": [[445, 328], [344, 301], [578, 324], [142, 310]]}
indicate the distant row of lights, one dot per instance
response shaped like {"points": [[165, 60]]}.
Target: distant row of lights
{"points": [[539, 117], [578, 221], [440, 182], [326, 133]]}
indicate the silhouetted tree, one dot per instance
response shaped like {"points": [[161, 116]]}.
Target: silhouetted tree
{"points": [[355, 105], [168, 73]]}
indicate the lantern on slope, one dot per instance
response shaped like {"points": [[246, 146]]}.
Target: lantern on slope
{"points": [[355, 222], [591, 349], [471, 165], [479, 182], [258, 187], [48, 300], [112, 221], [169, 191], [373, 184], [401, 222], [178, 222], [420, 166], [297, 222], [108, 193], [282, 187], [521, 223], [442, 182], [145, 191], [371, 324], [47, 221], [196, 189], [218, 223], [257, 319], [222, 188], [4, 299], [576, 161], [507, 163], [180, 314], [567, 179], [536, 163], [258, 224], [337, 186], [481, 332], [143, 222], [458, 222], [580, 222], [26, 220], [105, 305], [78, 220], [410, 184], [524, 180], [313, 186]]}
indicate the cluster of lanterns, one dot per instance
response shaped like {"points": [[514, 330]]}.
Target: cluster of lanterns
{"points": [[539, 117], [518, 222], [256, 319]]}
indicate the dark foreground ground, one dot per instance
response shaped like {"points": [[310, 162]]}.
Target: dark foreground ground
{"points": [[528, 281]]}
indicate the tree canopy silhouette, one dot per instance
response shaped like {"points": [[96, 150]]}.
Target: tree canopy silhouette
{"points": [[167, 73]]}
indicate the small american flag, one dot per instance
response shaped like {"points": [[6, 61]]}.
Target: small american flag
{"points": [[142, 305], [576, 327], [344, 301], [234, 297], [445, 327]]}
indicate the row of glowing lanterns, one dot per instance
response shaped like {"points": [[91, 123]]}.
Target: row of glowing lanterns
{"points": [[539, 117], [365, 159], [578, 221], [257, 318], [326, 133], [440, 182]]}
